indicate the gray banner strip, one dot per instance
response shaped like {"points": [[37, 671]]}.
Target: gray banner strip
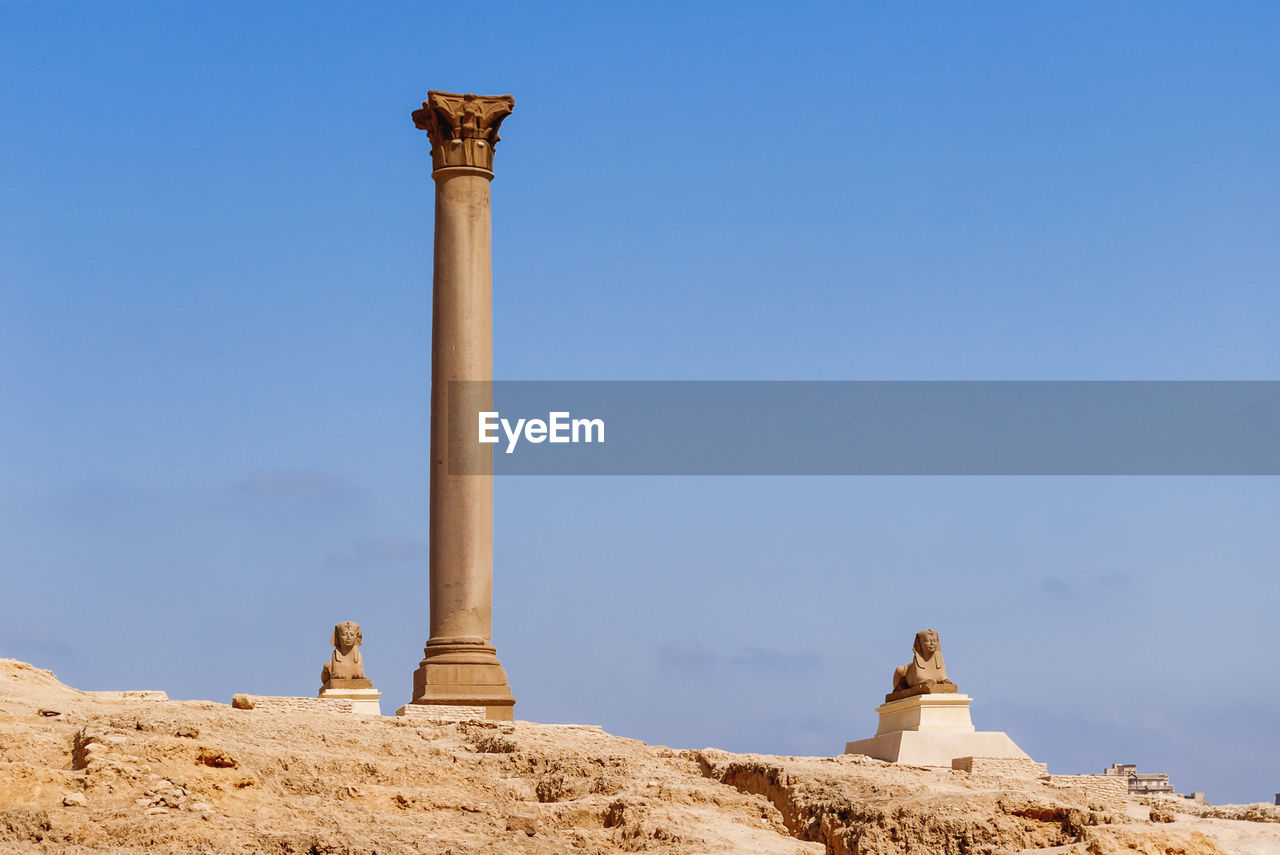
{"points": [[865, 428]]}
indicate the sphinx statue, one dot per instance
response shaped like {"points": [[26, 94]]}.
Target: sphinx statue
{"points": [[345, 668], [925, 720], [926, 673]]}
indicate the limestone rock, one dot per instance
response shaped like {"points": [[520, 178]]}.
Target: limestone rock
{"points": [[528, 823], [305, 781]]}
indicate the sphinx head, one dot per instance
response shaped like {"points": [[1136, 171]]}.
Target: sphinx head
{"points": [[927, 643], [346, 636]]}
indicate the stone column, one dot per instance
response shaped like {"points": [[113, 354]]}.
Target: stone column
{"points": [[460, 667]]}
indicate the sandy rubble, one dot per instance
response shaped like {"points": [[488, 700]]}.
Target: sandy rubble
{"points": [[82, 773]]}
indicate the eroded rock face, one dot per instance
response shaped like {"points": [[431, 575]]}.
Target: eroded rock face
{"points": [[197, 777], [854, 815]]}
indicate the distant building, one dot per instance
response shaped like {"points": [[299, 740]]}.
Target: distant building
{"points": [[1141, 784]]}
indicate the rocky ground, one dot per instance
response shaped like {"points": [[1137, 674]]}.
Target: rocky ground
{"points": [[82, 773]]}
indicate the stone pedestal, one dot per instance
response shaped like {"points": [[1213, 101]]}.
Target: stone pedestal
{"points": [[949, 713], [460, 667], [932, 730], [363, 701]]}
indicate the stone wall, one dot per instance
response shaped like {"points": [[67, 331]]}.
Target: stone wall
{"points": [[1112, 789], [441, 712], [274, 704], [1004, 767]]}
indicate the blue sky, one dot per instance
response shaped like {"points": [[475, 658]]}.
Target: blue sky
{"points": [[214, 339]]}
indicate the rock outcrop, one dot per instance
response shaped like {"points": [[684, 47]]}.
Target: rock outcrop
{"points": [[80, 772]]}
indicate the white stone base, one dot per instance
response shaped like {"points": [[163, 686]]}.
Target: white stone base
{"points": [[441, 712], [363, 701], [935, 748], [932, 730], [947, 713]]}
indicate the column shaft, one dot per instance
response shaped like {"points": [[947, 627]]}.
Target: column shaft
{"points": [[459, 667], [461, 349]]}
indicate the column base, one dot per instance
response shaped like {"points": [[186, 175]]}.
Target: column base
{"points": [[463, 674]]}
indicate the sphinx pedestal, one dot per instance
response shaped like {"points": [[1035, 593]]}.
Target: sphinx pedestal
{"points": [[363, 701], [363, 696], [932, 730]]}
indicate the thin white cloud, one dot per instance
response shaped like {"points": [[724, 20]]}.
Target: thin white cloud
{"points": [[284, 483], [693, 656], [687, 655], [770, 659], [380, 552]]}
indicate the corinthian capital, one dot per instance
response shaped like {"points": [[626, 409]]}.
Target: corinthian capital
{"points": [[463, 129]]}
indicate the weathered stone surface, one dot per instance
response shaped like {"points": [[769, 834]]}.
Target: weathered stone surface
{"points": [[309, 782], [460, 666], [926, 673], [1109, 789], [132, 695], [1001, 767], [524, 822], [441, 712], [345, 668], [463, 129], [279, 704], [343, 678]]}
